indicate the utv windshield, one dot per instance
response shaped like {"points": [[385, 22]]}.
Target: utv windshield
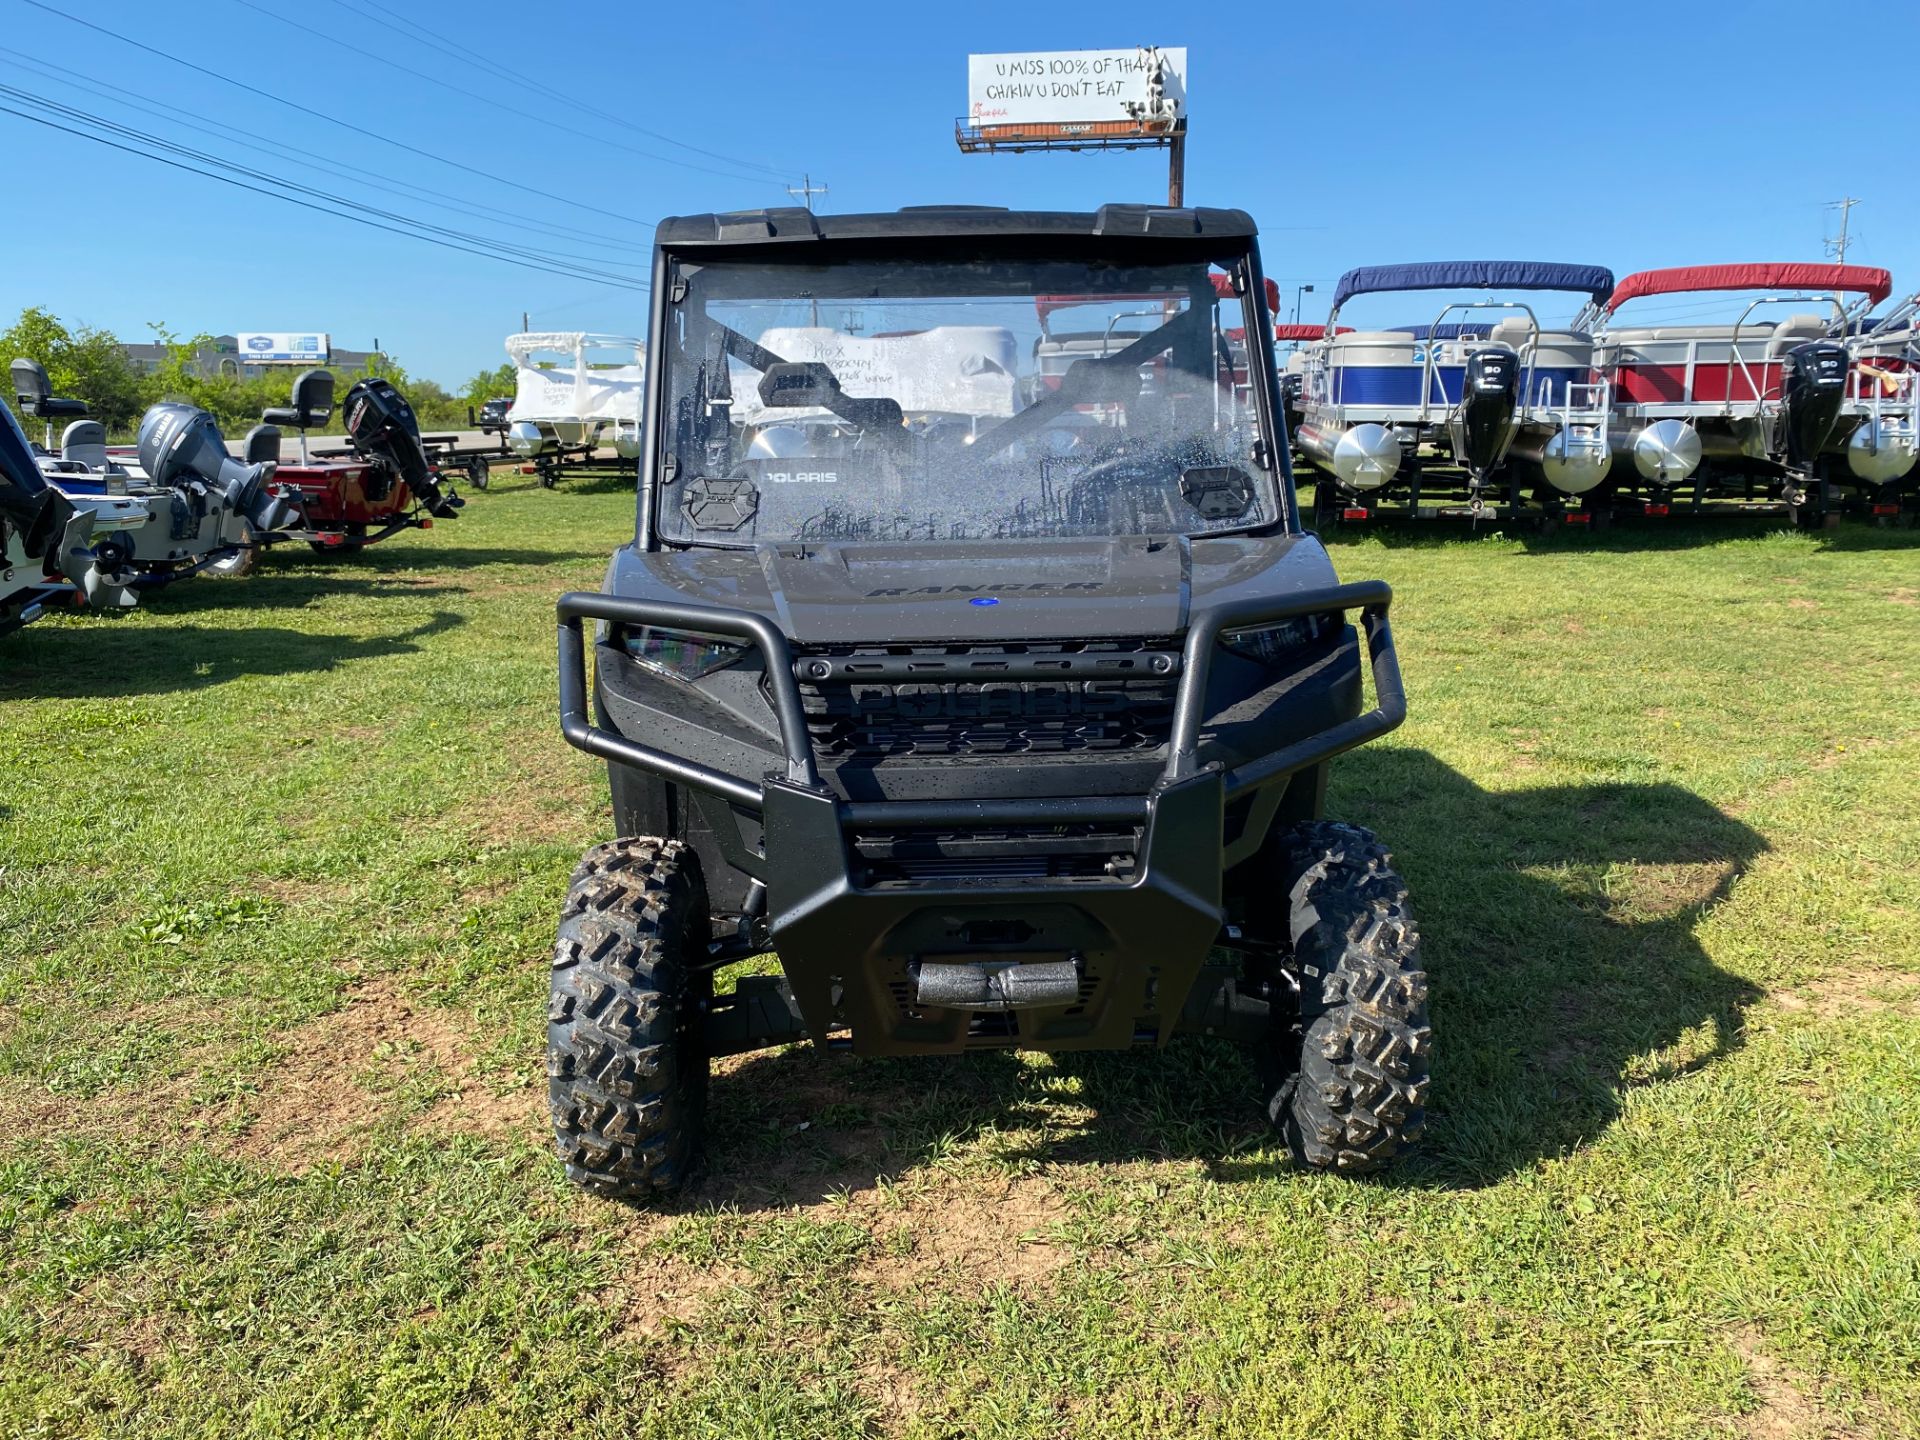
{"points": [[958, 399]]}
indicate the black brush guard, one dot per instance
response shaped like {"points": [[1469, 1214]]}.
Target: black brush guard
{"points": [[947, 964]]}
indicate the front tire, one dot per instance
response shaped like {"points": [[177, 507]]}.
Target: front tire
{"points": [[1352, 1061], [626, 1059]]}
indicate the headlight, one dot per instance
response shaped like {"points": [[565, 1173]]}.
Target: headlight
{"points": [[1269, 643], [680, 654]]}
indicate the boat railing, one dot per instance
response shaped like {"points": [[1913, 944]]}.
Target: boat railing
{"points": [[1758, 388], [1879, 393], [1527, 350]]}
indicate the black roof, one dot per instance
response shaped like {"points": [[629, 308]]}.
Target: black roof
{"points": [[793, 223]]}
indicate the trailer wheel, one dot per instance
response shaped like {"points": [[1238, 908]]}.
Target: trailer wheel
{"points": [[241, 561], [235, 564], [479, 474], [626, 1058], [1351, 1062]]}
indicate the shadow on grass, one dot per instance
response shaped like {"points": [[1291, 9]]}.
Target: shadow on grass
{"points": [[271, 589], [1559, 933], [108, 660], [406, 556]]}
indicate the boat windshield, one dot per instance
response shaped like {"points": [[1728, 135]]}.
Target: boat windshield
{"points": [[955, 399]]}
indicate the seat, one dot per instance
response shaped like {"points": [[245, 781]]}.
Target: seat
{"points": [[35, 393], [1513, 331], [263, 443], [84, 442], [1796, 330], [312, 406]]}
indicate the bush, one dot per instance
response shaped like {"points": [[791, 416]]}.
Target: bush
{"points": [[89, 365]]}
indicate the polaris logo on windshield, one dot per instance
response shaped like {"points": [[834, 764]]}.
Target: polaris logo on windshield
{"points": [[984, 589]]}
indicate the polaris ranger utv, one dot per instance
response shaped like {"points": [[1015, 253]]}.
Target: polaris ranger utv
{"points": [[997, 699]]}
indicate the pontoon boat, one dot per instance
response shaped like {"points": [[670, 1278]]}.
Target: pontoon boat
{"points": [[1736, 413], [1470, 409]]}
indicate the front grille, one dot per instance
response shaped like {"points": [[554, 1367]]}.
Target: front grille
{"points": [[1059, 852], [877, 719]]}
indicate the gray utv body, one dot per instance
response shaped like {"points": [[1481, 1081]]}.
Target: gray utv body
{"points": [[977, 792]]}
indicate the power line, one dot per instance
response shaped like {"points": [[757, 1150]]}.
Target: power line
{"points": [[118, 95], [499, 105], [387, 141], [305, 204], [474, 60], [313, 162], [577, 262]]}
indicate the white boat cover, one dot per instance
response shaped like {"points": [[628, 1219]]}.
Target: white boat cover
{"points": [[949, 369], [571, 389]]}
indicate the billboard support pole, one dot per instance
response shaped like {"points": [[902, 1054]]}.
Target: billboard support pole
{"points": [[1177, 169]]}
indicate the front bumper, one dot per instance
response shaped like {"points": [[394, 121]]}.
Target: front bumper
{"points": [[853, 948]]}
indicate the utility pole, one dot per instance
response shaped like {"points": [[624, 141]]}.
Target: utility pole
{"points": [[806, 191], [1297, 291], [524, 326], [1838, 248], [805, 195]]}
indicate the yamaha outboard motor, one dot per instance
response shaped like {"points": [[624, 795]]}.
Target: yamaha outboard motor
{"points": [[1813, 387], [181, 447], [1489, 394], [381, 425]]}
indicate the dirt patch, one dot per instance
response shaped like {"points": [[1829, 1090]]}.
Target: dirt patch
{"points": [[894, 1394], [999, 1229], [1796, 603], [1783, 1409], [660, 1293], [1901, 595], [1868, 992], [340, 1073]]}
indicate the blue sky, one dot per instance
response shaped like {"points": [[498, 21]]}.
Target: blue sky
{"points": [[1633, 135]]}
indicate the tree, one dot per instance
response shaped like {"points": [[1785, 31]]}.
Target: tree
{"points": [[82, 363], [489, 383]]}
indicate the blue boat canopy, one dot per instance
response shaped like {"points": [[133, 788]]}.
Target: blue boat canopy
{"points": [[1594, 280]]}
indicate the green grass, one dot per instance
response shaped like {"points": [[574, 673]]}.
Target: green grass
{"points": [[278, 862]]}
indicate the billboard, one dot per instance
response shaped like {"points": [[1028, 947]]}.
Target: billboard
{"points": [[261, 347], [1073, 87]]}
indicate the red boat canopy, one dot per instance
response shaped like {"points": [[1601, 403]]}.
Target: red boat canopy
{"points": [[1307, 332], [1222, 286], [1864, 279]]}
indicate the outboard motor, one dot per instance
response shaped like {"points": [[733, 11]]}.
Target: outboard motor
{"points": [[381, 425], [1813, 387], [181, 447], [1489, 395], [39, 523], [33, 515]]}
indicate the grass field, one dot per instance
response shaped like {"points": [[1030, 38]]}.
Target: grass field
{"points": [[280, 860]]}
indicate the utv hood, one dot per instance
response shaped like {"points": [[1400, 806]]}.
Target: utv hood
{"points": [[984, 591]]}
